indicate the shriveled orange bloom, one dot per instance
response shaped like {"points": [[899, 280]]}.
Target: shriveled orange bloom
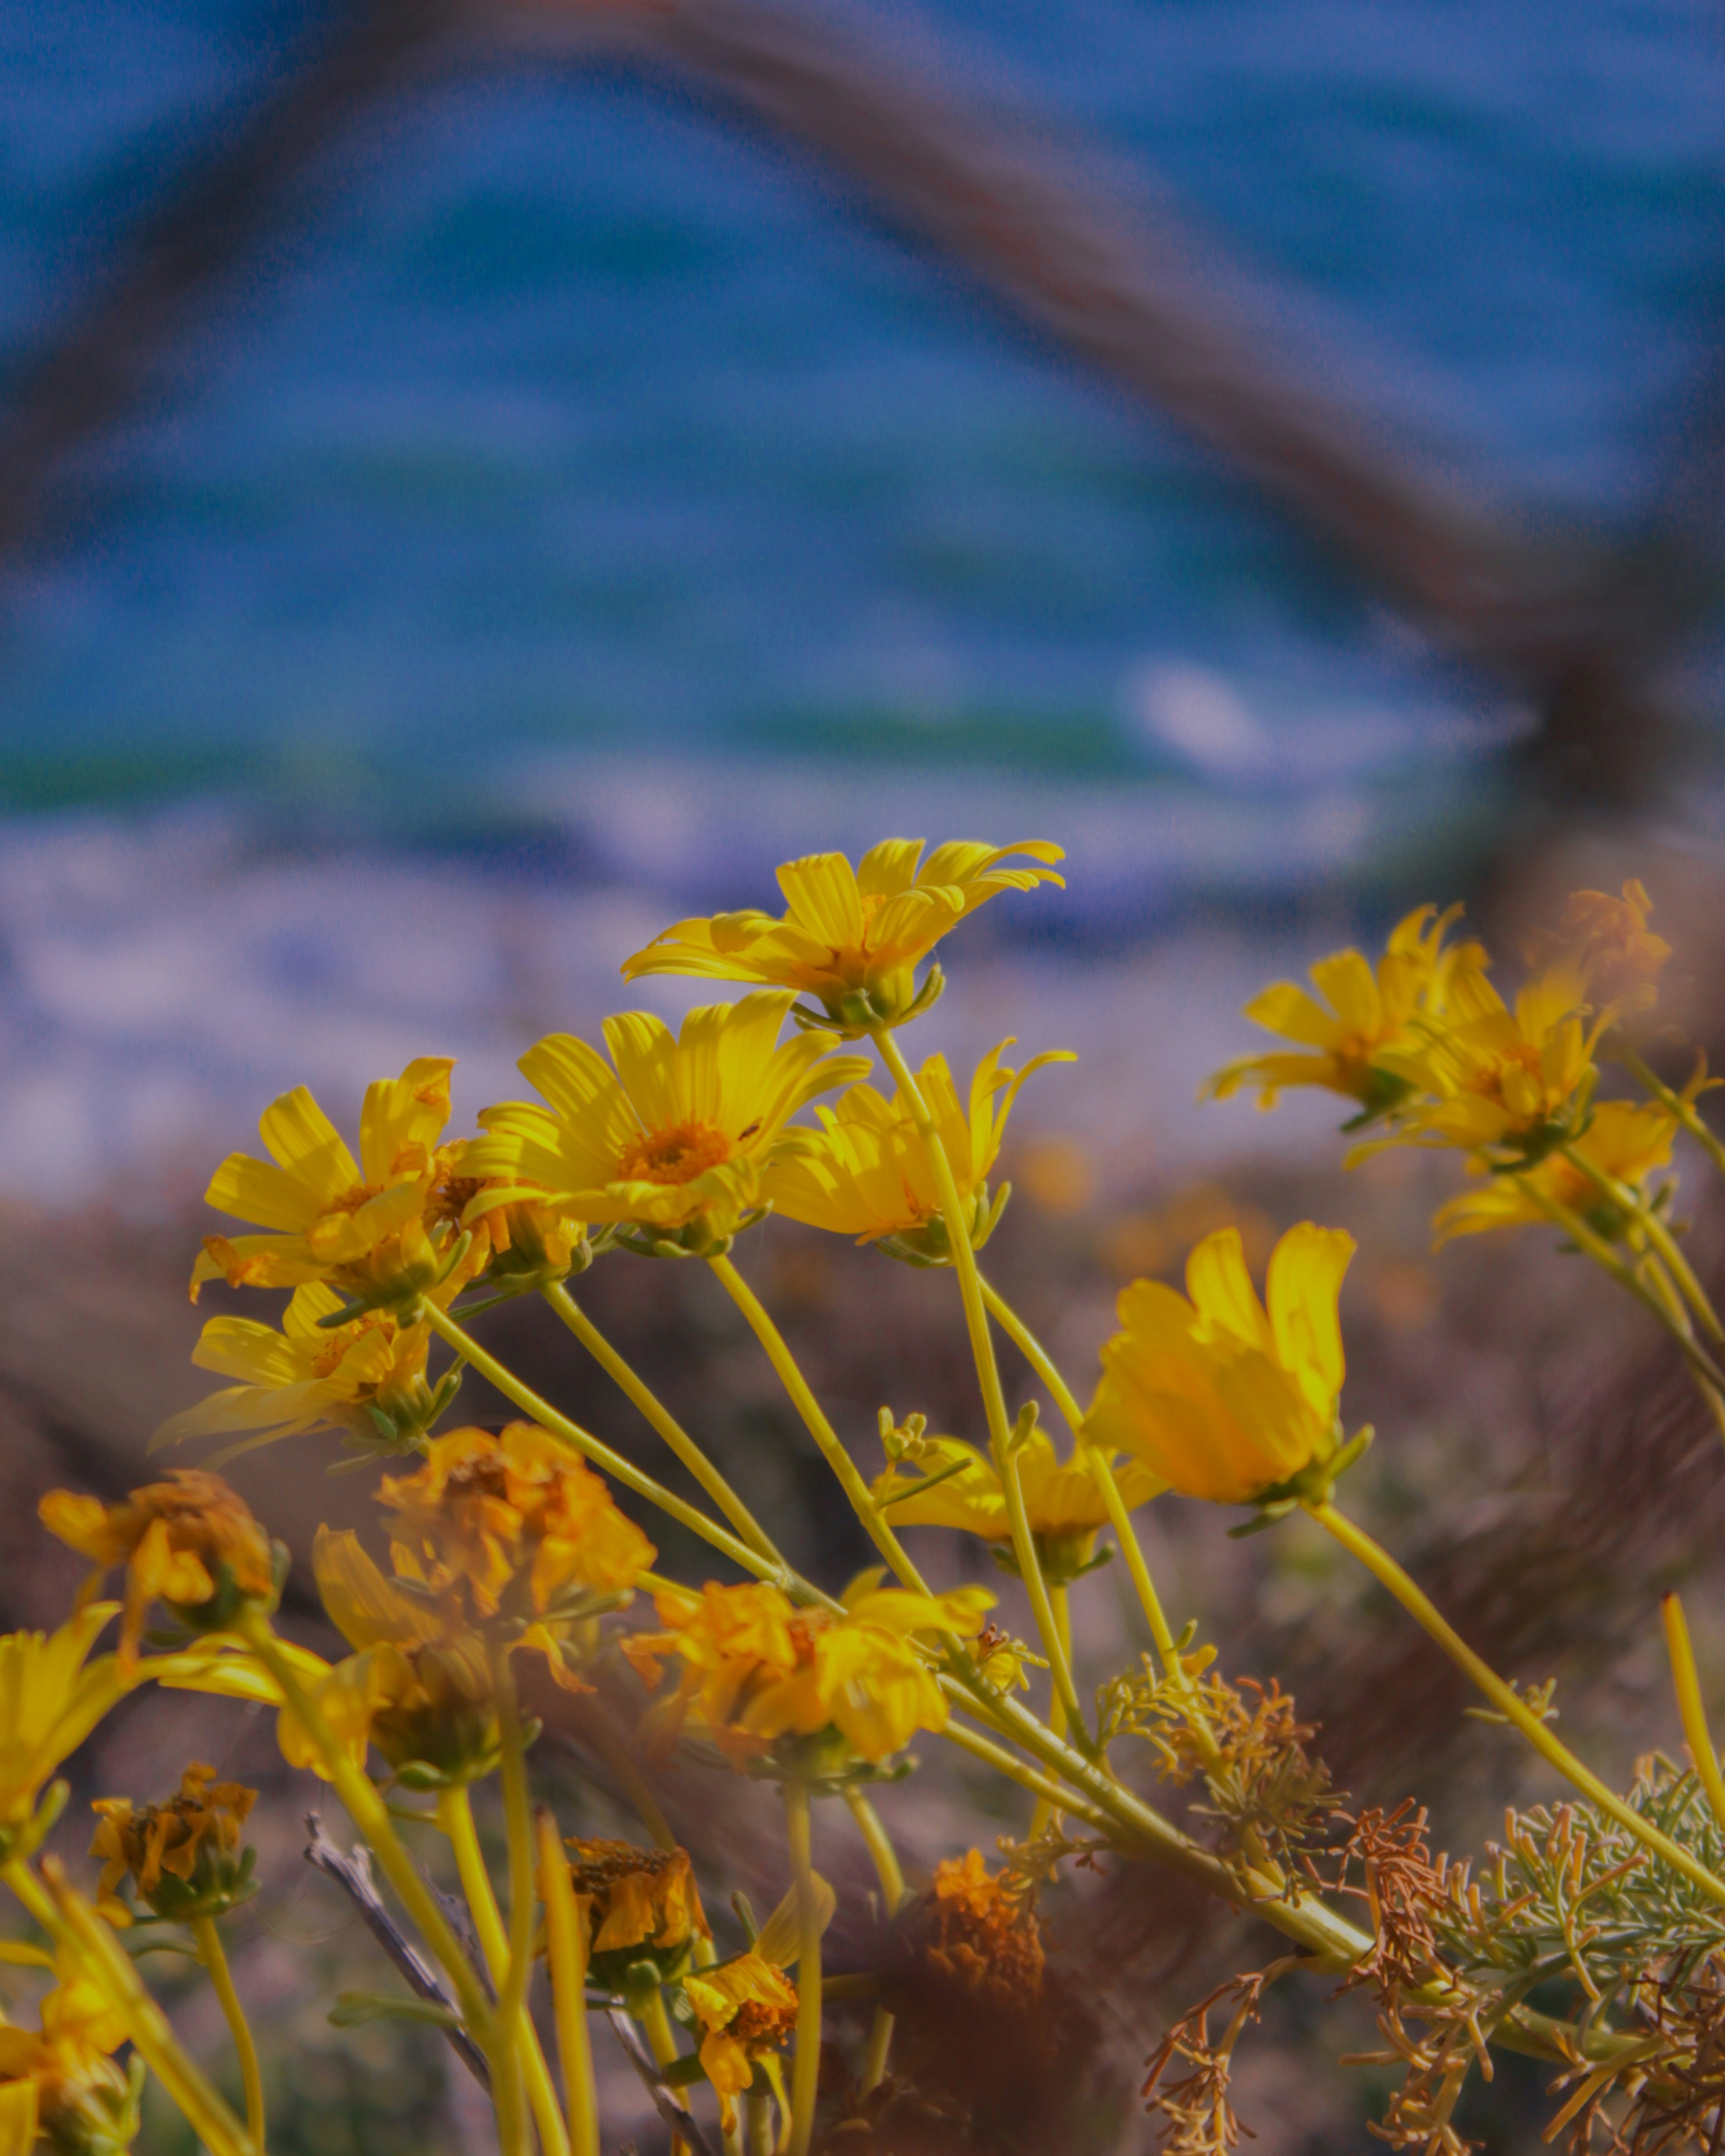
{"points": [[982, 1935], [1609, 941], [192, 1839], [746, 2011], [188, 1540], [514, 1520], [756, 1667], [640, 1897]]}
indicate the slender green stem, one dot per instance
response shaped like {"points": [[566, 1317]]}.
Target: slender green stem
{"points": [[796, 1385], [518, 1832], [565, 1950], [1687, 1680], [1628, 1199], [987, 1370], [805, 2068], [455, 1817], [211, 1954], [371, 1815], [1045, 1813], [603, 1455], [888, 1871], [661, 1418], [757, 2120], [1674, 1104], [1388, 1574], [70, 1922]]}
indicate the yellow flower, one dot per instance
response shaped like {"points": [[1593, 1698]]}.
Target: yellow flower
{"points": [[867, 1173], [185, 1854], [1625, 1140], [671, 1145], [51, 1697], [957, 1486], [1219, 1397], [365, 1378], [644, 1905], [518, 1241], [515, 1522], [417, 1684], [852, 937], [60, 2080], [1610, 943], [756, 1668], [1488, 1075], [189, 1540], [1364, 1012], [359, 1225], [747, 2009]]}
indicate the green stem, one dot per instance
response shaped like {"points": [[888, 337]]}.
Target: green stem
{"points": [[661, 1418], [1044, 1814], [1628, 1199], [455, 1817], [887, 1871], [70, 1922], [757, 2120], [805, 2069], [613, 1463], [1674, 1104], [1388, 1574], [1686, 1678], [981, 1345], [210, 1952], [796, 1385], [566, 1950], [518, 1832]]}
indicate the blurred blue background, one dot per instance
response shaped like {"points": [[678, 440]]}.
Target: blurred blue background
{"points": [[581, 488]]}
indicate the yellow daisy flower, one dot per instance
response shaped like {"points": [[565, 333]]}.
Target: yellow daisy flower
{"points": [[852, 938], [955, 1485], [358, 1225], [1218, 1397], [51, 1697], [746, 2011], [184, 1856], [1364, 1011], [867, 1173], [1625, 1140], [1483, 1075], [670, 1145], [189, 1542], [756, 1668], [59, 2081], [365, 1378]]}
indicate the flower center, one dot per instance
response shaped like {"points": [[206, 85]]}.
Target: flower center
{"points": [[328, 1360], [678, 1153]]}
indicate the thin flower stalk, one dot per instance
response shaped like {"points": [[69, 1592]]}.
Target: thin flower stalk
{"points": [[891, 1875], [1686, 1111], [566, 1946], [976, 1319], [624, 1376], [510, 2014], [454, 1818], [1630, 1201], [1389, 1574], [210, 1952], [1693, 1714], [805, 2070]]}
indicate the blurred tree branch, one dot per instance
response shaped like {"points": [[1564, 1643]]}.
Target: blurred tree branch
{"points": [[1576, 626]]}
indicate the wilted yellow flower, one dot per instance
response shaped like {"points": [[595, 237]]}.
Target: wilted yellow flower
{"points": [[672, 1144], [1608, 942], [51, 1697], [1625, 1140], [852, 937], [184, 1856], [955, 1485], [190, 1540], [360, 1226], [757, 1668], [516, 1523], [747, 2009], [867, 1174], [1219, 1397], [59, 2081], [1365, 1011], [643, 1905], [1485, 1075], [367, 1377], [417, 1684]]}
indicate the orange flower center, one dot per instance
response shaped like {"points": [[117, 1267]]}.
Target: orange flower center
{"points": [[675, 1154], [328, 1360]]}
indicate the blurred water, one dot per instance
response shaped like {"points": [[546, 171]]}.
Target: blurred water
{"points": [[568, 415]]}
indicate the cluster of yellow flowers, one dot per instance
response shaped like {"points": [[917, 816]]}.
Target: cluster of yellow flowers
{"points": [[497, 1544]]}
